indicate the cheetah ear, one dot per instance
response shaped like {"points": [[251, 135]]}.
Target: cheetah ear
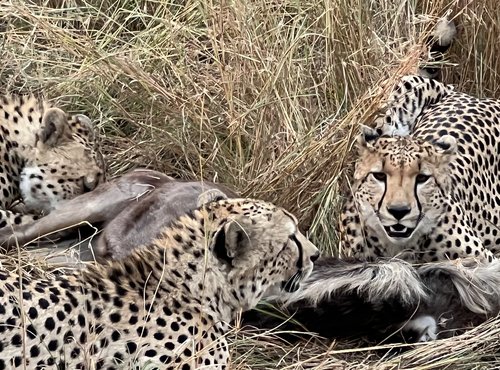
{"points": [[230, 241], [86, 125], [84, 120], [367, 137], [91, 181], [211, 195], [446, 144], [55, 128]]}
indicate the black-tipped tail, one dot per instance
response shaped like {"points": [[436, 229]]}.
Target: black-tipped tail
{"points": [[439, 43]]}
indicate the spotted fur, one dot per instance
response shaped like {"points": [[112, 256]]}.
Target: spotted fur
{"points": [[46, 157], [426, 184], [167, 305]]}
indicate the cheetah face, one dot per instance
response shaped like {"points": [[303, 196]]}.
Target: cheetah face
{"points": [[63, 163], [263, 248], [303, 252], [401, 185]]}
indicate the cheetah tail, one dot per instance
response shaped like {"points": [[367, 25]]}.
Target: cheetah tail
{"points": [[438, 43]]}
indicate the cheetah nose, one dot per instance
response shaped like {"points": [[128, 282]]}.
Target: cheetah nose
{"points": [[399, 211], [315, 256]]}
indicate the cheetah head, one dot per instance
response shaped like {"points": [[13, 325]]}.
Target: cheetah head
{"points": [[63, 163], [262, 249], [401, 185]]}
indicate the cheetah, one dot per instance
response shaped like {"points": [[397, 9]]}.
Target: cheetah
{"points": [[168, 305], [46, 157], [425, 184]]}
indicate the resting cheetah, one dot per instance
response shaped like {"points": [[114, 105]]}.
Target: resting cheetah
{"points": [[46, 157], [426, 184], [166, 305]]}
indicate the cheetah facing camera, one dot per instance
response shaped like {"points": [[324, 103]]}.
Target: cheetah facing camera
{"points": [[46, 156], [425, 184], [166, 305]]}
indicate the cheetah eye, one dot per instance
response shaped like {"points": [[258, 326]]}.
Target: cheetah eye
{"points": [[379, 176], [421, 178]]}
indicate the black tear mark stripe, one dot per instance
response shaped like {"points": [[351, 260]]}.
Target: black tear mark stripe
{"points": [[419, 206], [379, 205], [300, 262]]}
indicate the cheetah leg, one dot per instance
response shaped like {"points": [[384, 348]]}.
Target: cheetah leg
{"points": [[354, 241], [99, 205], [455, 238], [13, 218]]}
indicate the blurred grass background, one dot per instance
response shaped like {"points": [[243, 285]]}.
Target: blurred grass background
{"points": [[263, 95]]}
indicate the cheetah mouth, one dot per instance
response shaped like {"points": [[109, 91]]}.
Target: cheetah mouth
{"points": [[398, 231]]}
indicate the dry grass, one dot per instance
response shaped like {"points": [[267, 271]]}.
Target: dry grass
{"points": [[477, 349], [262, 95]]}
